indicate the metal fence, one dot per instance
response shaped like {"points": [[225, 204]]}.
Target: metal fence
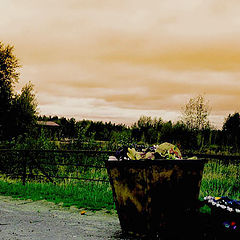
{"points": [[54, 165], [58, 165]]}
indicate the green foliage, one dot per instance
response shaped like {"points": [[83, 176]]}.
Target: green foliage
{"points": [[9, 75], [42, 142], [23, 111], [17, 111], [231, 128], [166, 132], [220, 179], [86, 195], [146, 129], [86, 134], [121, 137]]}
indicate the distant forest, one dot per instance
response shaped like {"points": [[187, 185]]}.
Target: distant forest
{"points": [[150, 131]]}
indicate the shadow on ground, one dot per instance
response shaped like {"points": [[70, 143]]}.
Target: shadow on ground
{"points": [[201, 227]]}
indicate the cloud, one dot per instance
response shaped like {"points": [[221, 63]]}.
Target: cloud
{"points": [[97, 109], [137, 87], [120, 58]]}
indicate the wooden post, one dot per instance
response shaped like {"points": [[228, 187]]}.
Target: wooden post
{"points": [[24, 167]]}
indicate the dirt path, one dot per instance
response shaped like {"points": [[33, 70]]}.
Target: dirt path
{"points": [[41, 220]]}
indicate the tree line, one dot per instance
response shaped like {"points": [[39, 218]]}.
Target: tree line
{"points": [[148, 130], [19, 120]]}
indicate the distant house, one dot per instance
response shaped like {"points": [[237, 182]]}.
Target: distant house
{"points": [[47, 124], [52, 128]]}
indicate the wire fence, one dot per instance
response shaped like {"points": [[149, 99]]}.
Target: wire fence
{"points": [[54, 165], [75, 165]]}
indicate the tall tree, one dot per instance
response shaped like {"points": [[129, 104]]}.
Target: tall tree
{"points": [[231, 130], [9, 75], [195, 113], [23, 111], [17, 111]]}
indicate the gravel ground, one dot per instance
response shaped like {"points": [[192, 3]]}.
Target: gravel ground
{"points": [[38, 220], [42, 220]]}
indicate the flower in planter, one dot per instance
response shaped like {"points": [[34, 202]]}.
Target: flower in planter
{"points": [[162, 151]]}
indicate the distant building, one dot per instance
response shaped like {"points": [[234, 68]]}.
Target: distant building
{"points": [[53, 129], [48, 124]]}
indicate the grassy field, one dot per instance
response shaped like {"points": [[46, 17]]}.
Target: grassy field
{"points": [[89, 195], [218, 180]]}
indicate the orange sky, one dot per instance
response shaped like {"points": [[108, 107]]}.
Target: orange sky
{"points": [[117, 60]]}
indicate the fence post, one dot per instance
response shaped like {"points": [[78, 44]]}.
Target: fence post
{"points": [[24, 167]]}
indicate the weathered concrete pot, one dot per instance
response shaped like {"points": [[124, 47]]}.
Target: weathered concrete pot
{"points": [[155, 195]]}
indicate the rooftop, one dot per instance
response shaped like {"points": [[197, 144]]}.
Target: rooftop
{"points": [[48, 123]]}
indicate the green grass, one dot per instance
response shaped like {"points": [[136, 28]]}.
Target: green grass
{"points": [[89, 195], [218, 180]]}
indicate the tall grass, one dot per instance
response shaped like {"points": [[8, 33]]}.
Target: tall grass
{"points": [[219, 179], [89, 195]]}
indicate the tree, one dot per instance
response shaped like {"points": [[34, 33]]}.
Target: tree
{"points": [[147, 129], [231, 129], [23, 111], [17, 111], [9, 75], [165, 135], [195, 113]]}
